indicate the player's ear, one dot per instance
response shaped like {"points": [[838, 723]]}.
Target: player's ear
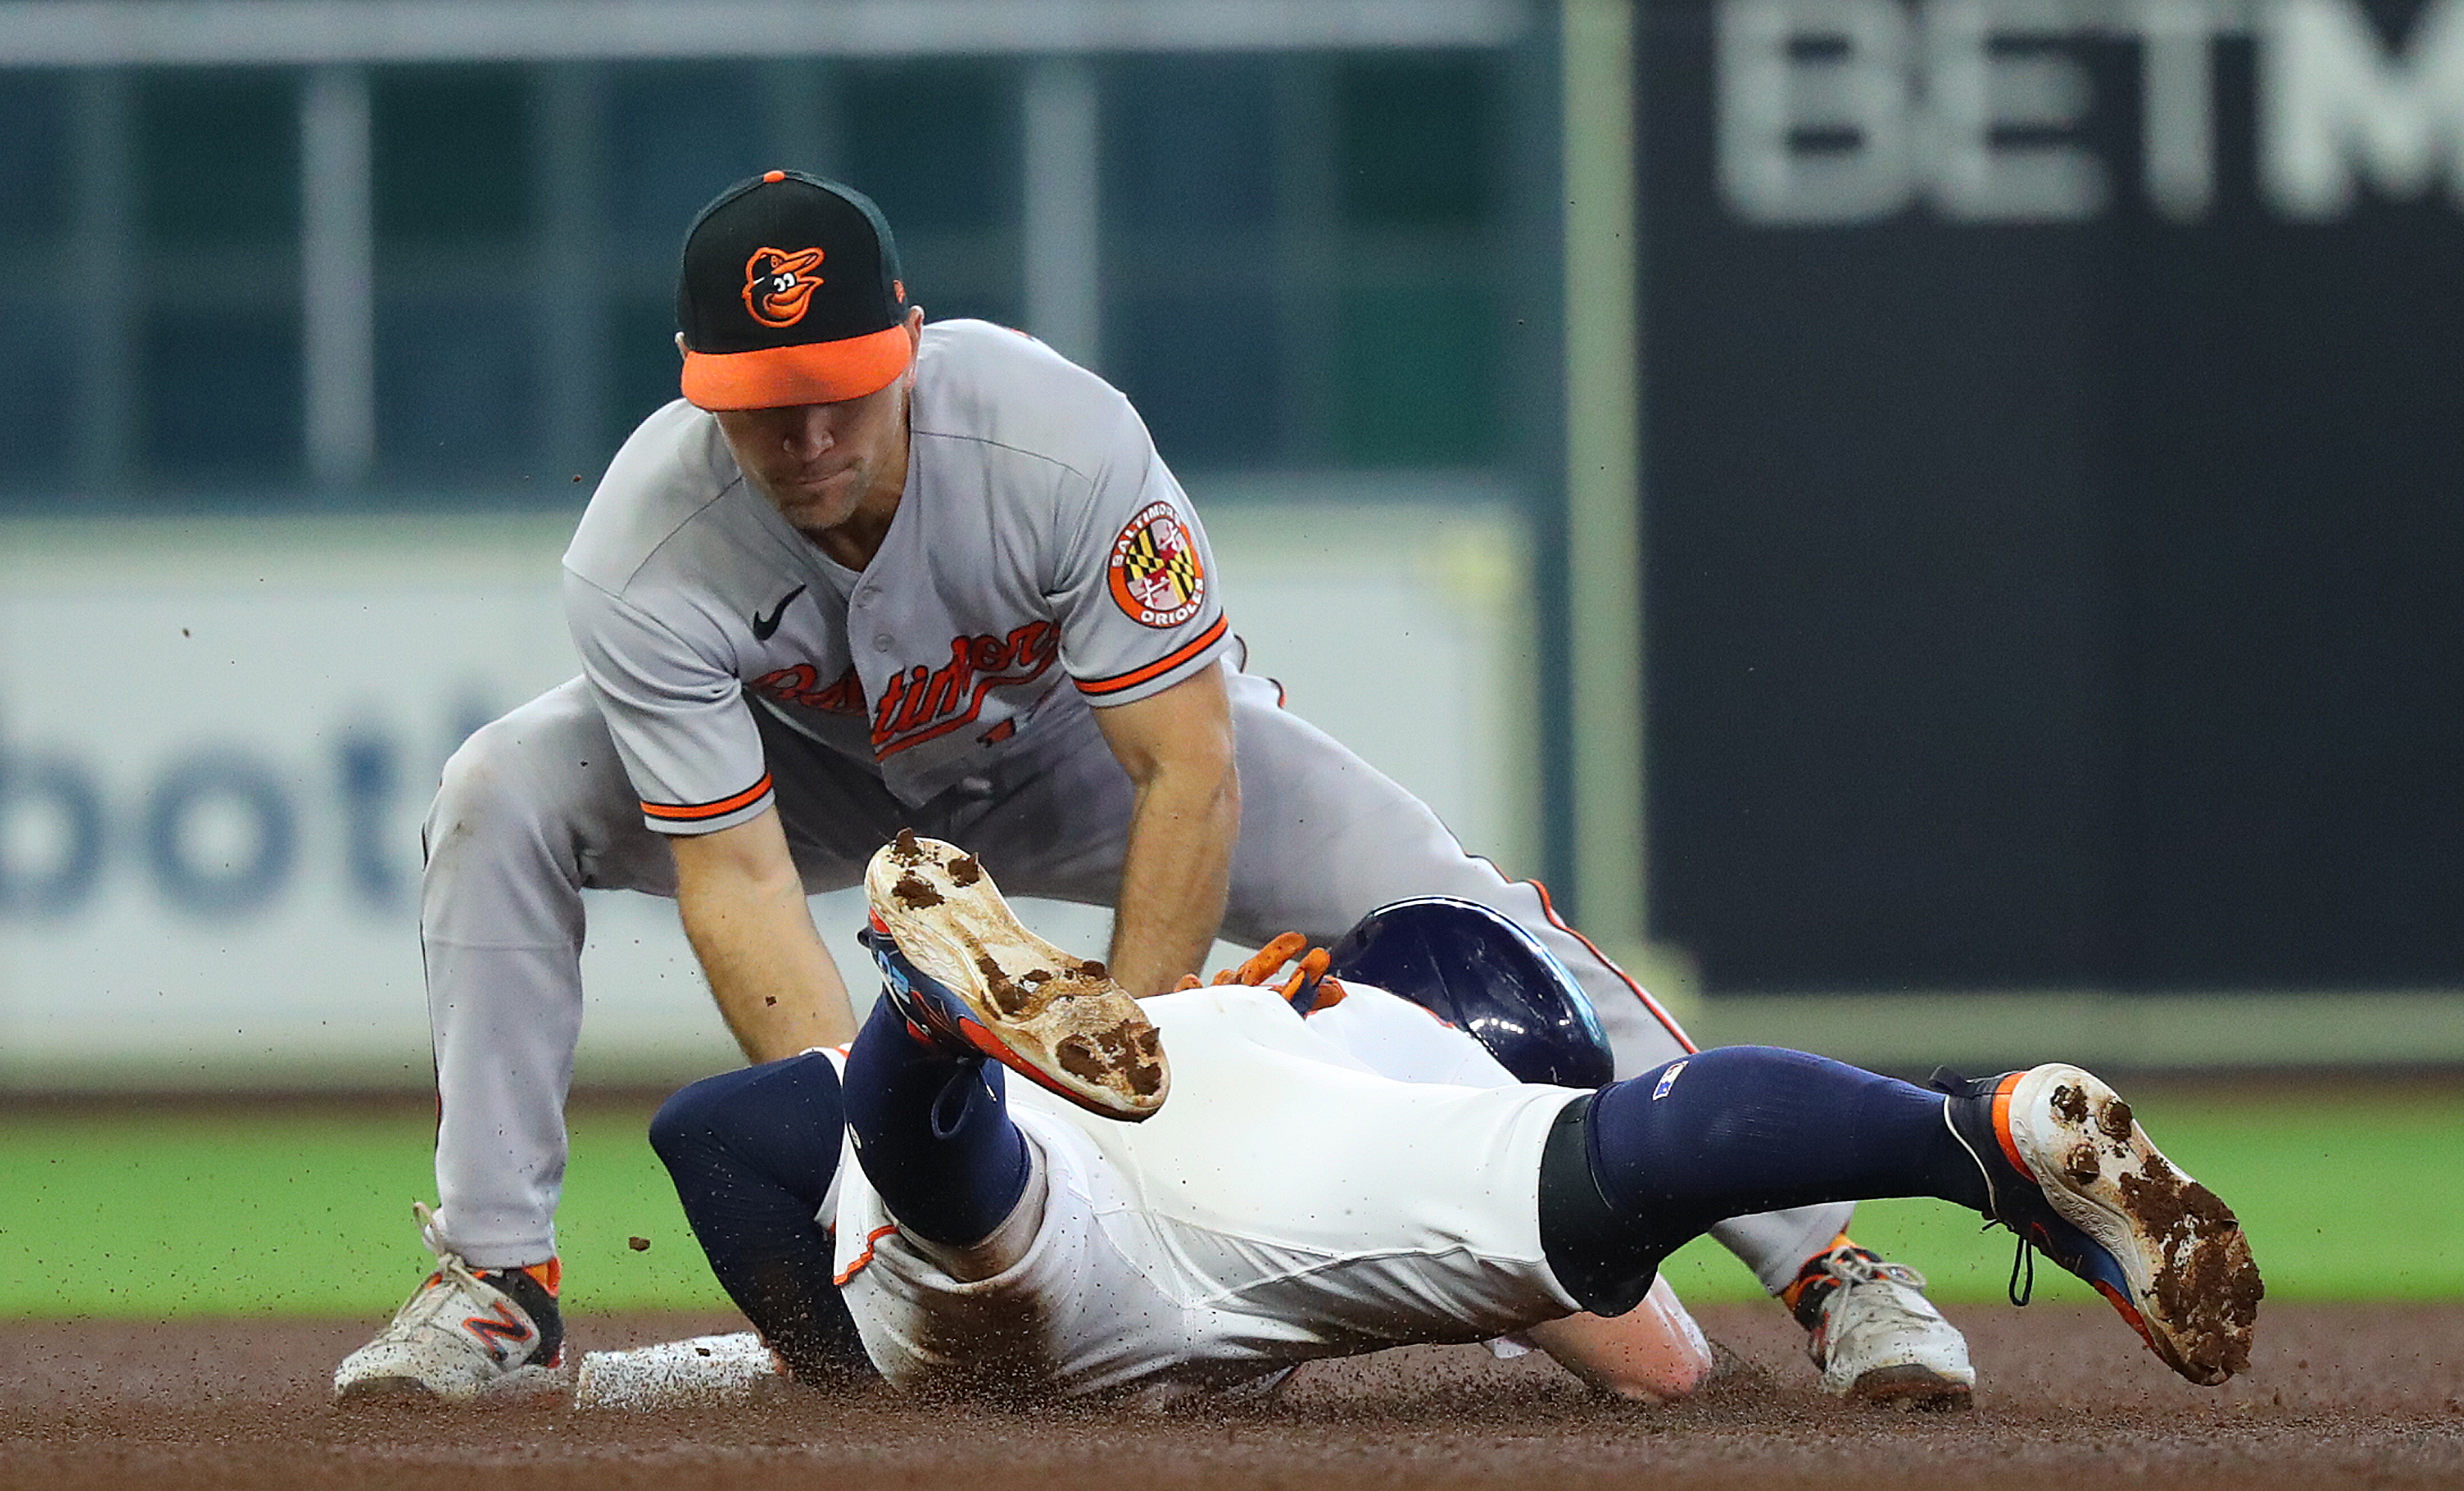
{"points": [[914, 324]]}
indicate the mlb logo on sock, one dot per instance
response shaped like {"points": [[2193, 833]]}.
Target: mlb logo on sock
{"points": [[1668, 1080]]}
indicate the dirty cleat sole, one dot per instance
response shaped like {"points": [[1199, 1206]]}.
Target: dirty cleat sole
{"points": [[1914, 1389], [2188, 1283], [410, 1391], [959, 964]]}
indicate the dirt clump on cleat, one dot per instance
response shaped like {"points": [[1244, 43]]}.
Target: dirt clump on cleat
{"points": [[2201, 1287], [941, 926], [1123, 1054], [2209, 1283]]}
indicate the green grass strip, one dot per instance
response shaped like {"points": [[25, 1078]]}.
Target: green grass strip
{"points": [[301, 1213], [307, 1211]]}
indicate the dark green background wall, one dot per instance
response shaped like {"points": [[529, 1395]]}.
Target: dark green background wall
{"points": [[2052, 604]]}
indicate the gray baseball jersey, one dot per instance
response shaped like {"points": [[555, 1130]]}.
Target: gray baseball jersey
{"points": [[1042, 561], [1042, 558]]}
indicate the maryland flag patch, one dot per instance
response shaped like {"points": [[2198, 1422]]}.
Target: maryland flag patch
{"points": [[1155, 575]]}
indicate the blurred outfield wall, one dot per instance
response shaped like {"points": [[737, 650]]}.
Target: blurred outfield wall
{"points": [[2052, 495], [2046, 474], [217, 739]]}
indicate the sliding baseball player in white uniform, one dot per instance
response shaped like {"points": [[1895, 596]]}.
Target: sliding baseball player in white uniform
{"points": [[1202, 1192], [870, 573]]}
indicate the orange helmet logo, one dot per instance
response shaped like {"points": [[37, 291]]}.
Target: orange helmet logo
{"points": [[779, 284]]}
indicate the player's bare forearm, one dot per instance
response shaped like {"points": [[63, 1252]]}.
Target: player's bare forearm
{"points": [[743, 910], [1175, 880], [1653, 1353], [1177, 747]]}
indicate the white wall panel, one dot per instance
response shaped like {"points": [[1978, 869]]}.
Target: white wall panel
{"points": [[217, 739]]}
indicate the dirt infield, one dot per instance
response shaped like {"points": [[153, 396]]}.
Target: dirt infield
{"points": [[2338, 1396]]}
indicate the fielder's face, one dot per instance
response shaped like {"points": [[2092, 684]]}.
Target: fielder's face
{"points": [[821, 464]]}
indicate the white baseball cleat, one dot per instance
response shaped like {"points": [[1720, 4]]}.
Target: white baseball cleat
{"points": [[701, 1372], [464, 1336], [2068, 1169], [967, 975], [1874, 1335]]}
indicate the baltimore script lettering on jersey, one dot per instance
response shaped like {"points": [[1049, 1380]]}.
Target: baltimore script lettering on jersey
{"points": [[922, 703]]}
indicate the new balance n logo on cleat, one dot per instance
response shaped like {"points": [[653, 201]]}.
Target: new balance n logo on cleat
{"points": [[464, 1336], [501, 1329]]}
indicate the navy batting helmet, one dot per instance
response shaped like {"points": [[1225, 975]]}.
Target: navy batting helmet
{"points": [[1473, 967]]}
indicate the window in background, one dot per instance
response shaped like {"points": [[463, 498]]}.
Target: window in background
{"points": [[216, 260], [1418, 145], [217, 157], [935, 144], [677, 135], [456, 186], [451, 151], [1418, 141], [1297, 252], [36, 430], [1303, 256], [35, 170], [1193, 262], [1415, 377], [642, 367], [222, 402], [1189, 148], [456, 395], [38, 344], [1201, 370]]}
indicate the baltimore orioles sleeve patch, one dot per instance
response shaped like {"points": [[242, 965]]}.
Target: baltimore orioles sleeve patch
{"points": [[1157, 579]]}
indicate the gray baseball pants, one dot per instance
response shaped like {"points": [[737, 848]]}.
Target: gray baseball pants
{"points": [[535, 808]]}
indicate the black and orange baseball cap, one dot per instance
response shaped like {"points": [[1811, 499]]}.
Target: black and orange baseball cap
{"points": [[790, 294]]}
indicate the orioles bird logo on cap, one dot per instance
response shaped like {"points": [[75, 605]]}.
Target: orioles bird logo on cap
{"points": [[779, 284]]}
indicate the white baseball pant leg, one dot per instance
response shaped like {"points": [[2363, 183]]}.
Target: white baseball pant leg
{"points": [[1325, 840]]}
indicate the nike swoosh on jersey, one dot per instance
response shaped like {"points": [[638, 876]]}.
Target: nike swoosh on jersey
{"points": [[764, 625]]}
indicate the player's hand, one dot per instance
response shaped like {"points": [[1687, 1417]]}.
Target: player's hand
{"points": [[1308, 989]]}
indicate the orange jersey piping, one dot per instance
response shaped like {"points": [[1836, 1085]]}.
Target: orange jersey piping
{"points": [[1548, 908], [697, 812], [1100, 687]]}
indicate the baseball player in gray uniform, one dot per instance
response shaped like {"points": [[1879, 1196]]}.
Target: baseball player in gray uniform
{"points": [[867, 574], [1229, 1188]]}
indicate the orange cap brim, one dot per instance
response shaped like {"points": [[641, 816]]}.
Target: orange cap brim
{"points": [[819, 372]]}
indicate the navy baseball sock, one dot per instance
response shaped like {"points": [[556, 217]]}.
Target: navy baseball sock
{"points": [[752, 1153], [1651, 1163], [934, 1134]]}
